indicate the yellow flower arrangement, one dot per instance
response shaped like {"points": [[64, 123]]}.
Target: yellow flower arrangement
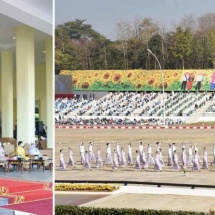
{"points": [[86, 187]]}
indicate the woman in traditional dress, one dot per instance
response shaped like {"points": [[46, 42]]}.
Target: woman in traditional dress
{"points": [[150, 159], [115, 161], [118, 151], [138, 166], [184, 158], [108, 159], [143, 160], [99, 162], [205, 159], [123, 163], [157, 165], [91, 154], [87, 161], [130, 159], [170, 155], [190, 155], [175, 161], [196, 161], [62, 161], [71, 160]]}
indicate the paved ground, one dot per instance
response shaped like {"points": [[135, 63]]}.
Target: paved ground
{"points": [[35, 175], [78, 199], [72, 138], [156, 202]]}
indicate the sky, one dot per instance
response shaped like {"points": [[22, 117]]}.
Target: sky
{"points": [[103, 15]]}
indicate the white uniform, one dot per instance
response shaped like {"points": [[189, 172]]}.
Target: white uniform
{"points": [[82, 153], [33, 150]]}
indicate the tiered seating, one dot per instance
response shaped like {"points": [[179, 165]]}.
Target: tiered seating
{"points": [[130, 108], [211, 108]]}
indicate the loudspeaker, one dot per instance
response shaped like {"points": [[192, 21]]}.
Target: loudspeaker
{"points": [[39, 126]]}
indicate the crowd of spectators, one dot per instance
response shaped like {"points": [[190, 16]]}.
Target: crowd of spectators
{"points": [[116, 121], [211, 108]]}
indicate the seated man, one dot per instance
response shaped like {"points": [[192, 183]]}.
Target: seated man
{"points": [[20, 151], [33, 150]]}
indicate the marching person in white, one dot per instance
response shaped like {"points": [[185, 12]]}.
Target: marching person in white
{"points": [[123, 163], [140, 146], [118, 152], [87, 160], [108, 154], [157, 164], [184, 158], [213, 162], [71, 160], [196, 148], [99, 162], [205, 159], [190, 155], [115, 161], [130, 159], [175, 161], [138, 166], [157, 147], [173, 149], [62, 161], [161, 157], [196, 161], [82, 153], [150, 159], [91, 154], [170, 155]]}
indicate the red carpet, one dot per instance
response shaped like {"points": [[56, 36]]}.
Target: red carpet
{"points": [[43, 207], [8, 186], [27, 194]]}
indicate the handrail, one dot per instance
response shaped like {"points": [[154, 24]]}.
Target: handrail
{"points": [[159, 184]]}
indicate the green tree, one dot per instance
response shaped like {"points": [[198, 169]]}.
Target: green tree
{"points": [[181, 47]]}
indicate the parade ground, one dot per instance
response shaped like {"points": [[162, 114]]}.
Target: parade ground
{"points": [[66, 138]]}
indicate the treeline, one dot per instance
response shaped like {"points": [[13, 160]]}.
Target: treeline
{"points": [[190, 46]]}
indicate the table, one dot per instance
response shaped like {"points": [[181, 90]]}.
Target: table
{"points": [[19, 163]]}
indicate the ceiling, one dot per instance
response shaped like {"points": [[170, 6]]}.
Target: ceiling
{"points": [[35, 13]]}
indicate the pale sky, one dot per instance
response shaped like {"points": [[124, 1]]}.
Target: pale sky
{"points": [[103, 15]]}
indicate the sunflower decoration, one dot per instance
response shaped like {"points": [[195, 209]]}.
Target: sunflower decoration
{"points": [[95, 74], [175, 74], [106, 76], [117, 78], [151, 81], [138, 86], [85, 85], [129, 75], [74, 80], [165, 85]]}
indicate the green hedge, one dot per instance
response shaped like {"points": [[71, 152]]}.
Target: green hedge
{"points": [[74, 210]]}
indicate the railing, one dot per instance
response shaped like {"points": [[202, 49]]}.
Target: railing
{"points": [[125, 183]]}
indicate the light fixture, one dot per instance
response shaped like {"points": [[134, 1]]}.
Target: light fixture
{"points": [[44, 52], [13, 38]]}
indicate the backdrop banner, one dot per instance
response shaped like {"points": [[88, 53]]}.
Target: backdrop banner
{"points": [[142, 80]]}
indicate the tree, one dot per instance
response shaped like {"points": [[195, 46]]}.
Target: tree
{"points": [[181, 47]]}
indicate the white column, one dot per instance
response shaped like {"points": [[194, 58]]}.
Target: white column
{"points": [[25, 79], [7, 93], [49, 93]]}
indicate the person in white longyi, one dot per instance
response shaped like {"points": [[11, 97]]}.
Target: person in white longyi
{"points": [[82, 153], [130, 159]]}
